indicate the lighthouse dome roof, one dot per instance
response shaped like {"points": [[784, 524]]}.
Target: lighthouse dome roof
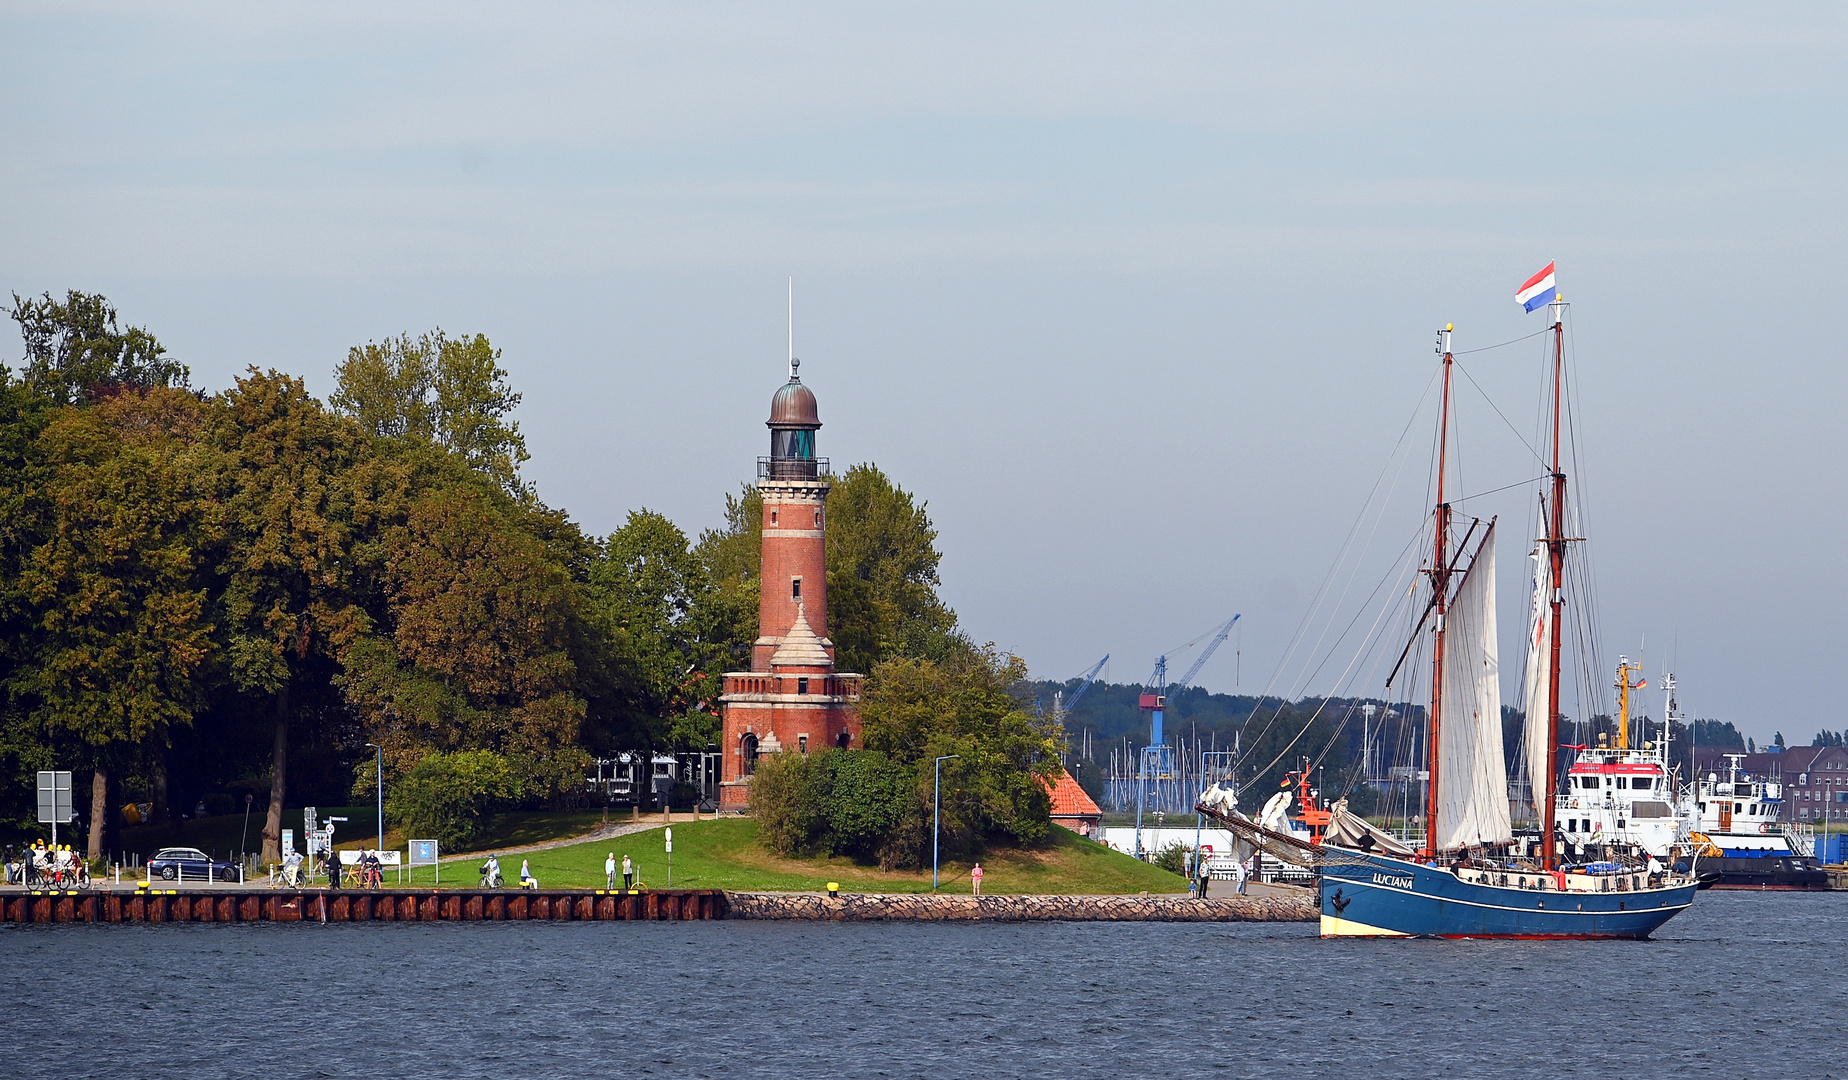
{"points": [[794, 406]]}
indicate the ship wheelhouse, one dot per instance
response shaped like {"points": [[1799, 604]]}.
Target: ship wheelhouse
{"points": [[1619, 795]]}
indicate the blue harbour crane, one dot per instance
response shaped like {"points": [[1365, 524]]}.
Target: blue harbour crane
{"points": [[1157, 778], [1062, 708]]}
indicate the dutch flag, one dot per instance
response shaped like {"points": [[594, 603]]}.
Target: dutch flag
{"points": [[1539, 291]]}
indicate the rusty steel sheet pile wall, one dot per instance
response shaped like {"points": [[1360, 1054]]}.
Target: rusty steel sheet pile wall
{"points": [[391, 905]]}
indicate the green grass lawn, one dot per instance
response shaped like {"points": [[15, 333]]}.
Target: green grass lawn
{"points": [[725, 854]]}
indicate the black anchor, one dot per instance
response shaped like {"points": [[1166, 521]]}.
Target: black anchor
{"points": [[1339, 902]]}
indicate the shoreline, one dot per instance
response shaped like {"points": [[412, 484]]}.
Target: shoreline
{"points": [[234, 905]]}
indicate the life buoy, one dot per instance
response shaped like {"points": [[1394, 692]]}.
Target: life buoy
{"points": [[1764, 828]]}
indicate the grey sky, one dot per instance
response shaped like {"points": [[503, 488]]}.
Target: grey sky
{"points": [[1136, 298]]}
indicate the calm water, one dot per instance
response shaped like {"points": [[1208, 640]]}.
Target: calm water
{"points": [[1744, 985]]}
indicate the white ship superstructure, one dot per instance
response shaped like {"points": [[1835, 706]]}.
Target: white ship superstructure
{"points": [[1622, 795]]}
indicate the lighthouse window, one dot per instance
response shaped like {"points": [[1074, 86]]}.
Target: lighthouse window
{"points": [[773, 517], [750, 754], [818, 519], [795, 588], [785, 443], [801, 686]]}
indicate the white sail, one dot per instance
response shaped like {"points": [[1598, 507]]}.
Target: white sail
{"points": [[1539, 666], [1472, 783]]}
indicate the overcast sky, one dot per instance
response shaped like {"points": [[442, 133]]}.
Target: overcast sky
{"points": [[1139, 299]]}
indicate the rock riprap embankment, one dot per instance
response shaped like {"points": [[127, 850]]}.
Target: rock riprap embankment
{"points": [[852, 907]]}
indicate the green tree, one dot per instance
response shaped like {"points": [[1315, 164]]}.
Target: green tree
{"points": [[915, 710], [673, 630], [833, 802], [122, 628], [882, 574], [448, 797], [73, 347], [434, 388], [287, 606], [477, 654]]}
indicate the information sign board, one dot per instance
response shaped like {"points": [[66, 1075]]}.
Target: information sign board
{"points": [[54, 798]]}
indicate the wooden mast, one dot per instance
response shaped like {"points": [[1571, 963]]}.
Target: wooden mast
{"points": [[1440, 592], [1556, 555]]}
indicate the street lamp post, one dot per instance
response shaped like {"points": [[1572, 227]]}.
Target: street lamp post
{"points": [[381, 758], [936, 810]]}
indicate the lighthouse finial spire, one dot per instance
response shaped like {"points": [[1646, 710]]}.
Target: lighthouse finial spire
{"points": [[793, 362]]}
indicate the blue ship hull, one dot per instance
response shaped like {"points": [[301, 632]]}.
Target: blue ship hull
{"points": [[1379, 896]]}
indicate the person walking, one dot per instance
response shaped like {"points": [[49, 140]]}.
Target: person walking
{"points": [[1238, 868], [975, 878], [628, 873], [1202, 872], [609, 871], [333, 869]]}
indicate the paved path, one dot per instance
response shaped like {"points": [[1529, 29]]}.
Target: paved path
{"points": [[601, 832]]}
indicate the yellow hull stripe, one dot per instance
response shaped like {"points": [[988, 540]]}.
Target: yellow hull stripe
{"points": [[1333, 926]]}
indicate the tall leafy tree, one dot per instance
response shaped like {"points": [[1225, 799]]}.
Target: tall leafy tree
{"points": [[122, 624], [286, 605], [969, 704], [674, 631], [435, 388], [882, 573], [477, 651]]}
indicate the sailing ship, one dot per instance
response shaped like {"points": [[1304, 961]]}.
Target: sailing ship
{"points": [[1470, 879]]}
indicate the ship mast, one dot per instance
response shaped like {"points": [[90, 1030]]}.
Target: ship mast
{"points": [[1440, 592], [1556, 555]]}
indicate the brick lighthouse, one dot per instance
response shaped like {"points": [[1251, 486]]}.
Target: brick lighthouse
{"points": [[792, 701]]}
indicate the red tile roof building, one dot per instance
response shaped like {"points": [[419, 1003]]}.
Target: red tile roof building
{"points": [[1071, 807]]}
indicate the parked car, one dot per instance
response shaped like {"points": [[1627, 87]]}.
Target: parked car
{"points": [[190, 864]]}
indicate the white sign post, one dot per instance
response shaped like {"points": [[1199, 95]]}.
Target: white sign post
{"points": [[54, 801], [424, 853], [670, 856]]}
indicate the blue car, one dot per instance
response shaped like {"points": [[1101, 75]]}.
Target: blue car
{"points": [[189, 864]]}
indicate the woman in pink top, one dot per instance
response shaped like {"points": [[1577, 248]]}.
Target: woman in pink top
{"points": [[975, 877]]}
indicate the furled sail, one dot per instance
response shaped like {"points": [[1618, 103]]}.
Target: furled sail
{"points": [[1472, 783], [1539, 667]]}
